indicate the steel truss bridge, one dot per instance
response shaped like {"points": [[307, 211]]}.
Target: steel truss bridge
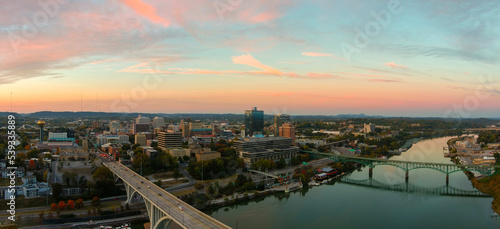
{"points": [[407, 166], [411, 188], [162, 207]]}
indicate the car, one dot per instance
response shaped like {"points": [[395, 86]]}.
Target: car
{"points": [[180, 208], [138, 187], [133, 175], [142, 182], [149, 186], [159, 194]]}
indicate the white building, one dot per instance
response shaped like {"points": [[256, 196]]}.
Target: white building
{"points": [[369, 128], [158, 122], [114, 126], [101, 140], [142, 120]]}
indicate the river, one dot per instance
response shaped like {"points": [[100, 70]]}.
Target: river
{"points": [[343, 205]]}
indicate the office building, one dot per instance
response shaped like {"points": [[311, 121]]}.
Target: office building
{"points": [[287, 130], [279, 119], [114, 126], [195, 125], [140, 139], [206, 154], [158, 122], [185, 129], [170, 140], [142, 120], [254, 122], [269, 148], [368, 128], [137, 128]]}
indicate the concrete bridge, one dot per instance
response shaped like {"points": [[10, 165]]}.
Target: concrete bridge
{"points": [[407, 166], [411, 188], [263, 173], [162, 207]]}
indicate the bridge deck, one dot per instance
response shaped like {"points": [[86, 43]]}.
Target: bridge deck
{"points": [[188, 217]]}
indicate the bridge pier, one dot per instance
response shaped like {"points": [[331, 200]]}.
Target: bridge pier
{"points": [[407, 176], [447, 179], [370, 173]]}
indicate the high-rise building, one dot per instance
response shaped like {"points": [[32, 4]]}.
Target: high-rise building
{"points": [[114, 126], [195, 125], [185, 129], [368, 128], [142, 120], [137, 128], [140, 139], [254, 122], [169, 139], [158, 122], [279, 119], [287, 130]]}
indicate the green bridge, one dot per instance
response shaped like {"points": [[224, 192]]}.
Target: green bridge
{"points": [[411, 188], [407, 166]]}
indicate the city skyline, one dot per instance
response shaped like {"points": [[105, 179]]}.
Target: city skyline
{"points": [[390, 58]]}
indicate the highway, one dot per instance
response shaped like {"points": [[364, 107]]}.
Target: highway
{"points": [[182, 213]]}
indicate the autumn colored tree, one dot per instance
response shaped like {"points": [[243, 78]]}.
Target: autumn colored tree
{"points": [[79, 203], [61, 205], [53, 206], [96, 201], [71, 204], [32, 164], [45, 175]]}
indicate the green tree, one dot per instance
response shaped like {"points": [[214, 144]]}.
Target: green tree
{"points": [[56, 191], [102, 173], [177, 173]]}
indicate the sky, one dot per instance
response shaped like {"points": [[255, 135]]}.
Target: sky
{"points": [[379, 57]]}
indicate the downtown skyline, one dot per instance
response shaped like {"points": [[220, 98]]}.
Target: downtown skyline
{"points": [[390, 58]]}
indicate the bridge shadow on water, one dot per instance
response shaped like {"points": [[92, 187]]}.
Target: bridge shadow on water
{"points": [[412, 188]]}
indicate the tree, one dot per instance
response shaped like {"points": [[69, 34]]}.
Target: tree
{"points": [[61, 205], [95, 201], [56, 191], [45, 175], [32, 164], [53, 206], [79, 203], [102, 173], [33, 153], [71, 204], [141, 159], [177, 174], [281, 163], [126, 147]]}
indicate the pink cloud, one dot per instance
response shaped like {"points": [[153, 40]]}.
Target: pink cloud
{"points": [[250, 61], [146, 10], [394, 65], [316, 54]]}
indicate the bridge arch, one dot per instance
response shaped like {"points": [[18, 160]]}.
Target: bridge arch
{"points": [[163, 222], [390, 164], [423, 167]]}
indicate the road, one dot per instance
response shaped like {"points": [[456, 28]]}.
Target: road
{"points": [[183, 214]]}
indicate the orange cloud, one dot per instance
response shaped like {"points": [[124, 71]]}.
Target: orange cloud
{"points": [[394, 65], [146, 10]]}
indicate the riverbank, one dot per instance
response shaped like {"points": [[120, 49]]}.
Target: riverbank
{"points": [[490, 186]]}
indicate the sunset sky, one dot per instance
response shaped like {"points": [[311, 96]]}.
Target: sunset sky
{"points": [[394, 58]]}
